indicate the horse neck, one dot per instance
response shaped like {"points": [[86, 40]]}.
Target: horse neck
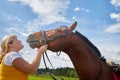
{"points": [[82, 56]]}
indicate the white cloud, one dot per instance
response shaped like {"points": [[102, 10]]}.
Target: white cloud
{"points": [[111, 55], [115, 16], [15, 18], [14, 30], [15, 26], [115, 28], [116, 3], [85, 10], [74, 17], [82, 9], [48, 11], [77, 9]]}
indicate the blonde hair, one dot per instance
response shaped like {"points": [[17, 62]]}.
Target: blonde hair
{"points": [[4, 44]]}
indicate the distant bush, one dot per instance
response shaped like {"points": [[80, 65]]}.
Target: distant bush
{"points": [[66, 71]]}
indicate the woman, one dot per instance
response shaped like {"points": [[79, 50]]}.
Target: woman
{"points": [[12, 65]]}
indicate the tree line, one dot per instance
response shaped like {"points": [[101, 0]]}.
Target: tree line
{"points": [[65, 71]]}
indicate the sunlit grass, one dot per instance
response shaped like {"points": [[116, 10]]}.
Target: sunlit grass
{"points": [[47, 77]]}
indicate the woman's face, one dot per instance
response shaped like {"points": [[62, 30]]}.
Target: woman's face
{"points": [[17, 44]]}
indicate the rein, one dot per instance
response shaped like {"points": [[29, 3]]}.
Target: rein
{"points": [[45, 41]]}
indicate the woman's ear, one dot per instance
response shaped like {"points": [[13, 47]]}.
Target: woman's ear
{"points": [[9, 45]]}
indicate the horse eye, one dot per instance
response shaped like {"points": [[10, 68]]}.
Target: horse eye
{"points": [[57, 30]]}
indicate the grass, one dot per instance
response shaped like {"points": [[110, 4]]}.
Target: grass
{"points": [[47, 77]]}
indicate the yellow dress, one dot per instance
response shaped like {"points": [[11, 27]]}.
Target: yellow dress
{"points": [[11, 73]]}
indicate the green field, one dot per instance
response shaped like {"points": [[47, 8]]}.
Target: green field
{"points": [[47, 77]]}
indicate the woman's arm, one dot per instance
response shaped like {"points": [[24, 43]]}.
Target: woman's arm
{"points": [[24, 66]]}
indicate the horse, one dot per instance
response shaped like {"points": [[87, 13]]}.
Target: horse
{"points": [[85, 56]]}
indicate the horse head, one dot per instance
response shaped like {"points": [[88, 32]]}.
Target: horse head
{"points": [[54, 38]]}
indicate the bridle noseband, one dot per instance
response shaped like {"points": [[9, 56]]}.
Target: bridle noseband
{"points": [[45, 40]]}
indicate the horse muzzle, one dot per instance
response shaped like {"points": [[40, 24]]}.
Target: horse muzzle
{"points": [[35, 43]]}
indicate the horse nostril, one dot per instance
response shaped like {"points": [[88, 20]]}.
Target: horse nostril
{"points": [[30, 37]]}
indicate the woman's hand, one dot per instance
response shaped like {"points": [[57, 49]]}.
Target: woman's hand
{"points": [[42, 49]]}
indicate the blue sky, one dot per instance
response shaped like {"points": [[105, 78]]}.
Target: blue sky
{"points": [[98, 20]]}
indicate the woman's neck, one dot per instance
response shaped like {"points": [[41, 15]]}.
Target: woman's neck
{"points": [[13, 49]]}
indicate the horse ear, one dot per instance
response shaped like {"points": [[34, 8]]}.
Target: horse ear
{"points": [[73, 26]]}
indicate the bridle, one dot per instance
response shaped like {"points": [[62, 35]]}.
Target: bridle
{"points": [[45, 40]]}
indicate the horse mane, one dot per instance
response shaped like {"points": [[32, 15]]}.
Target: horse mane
{"points": [[89, 43]]}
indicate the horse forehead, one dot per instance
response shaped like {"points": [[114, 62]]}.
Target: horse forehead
{"points": [[55, 32], [51, 33], [37, 34]]}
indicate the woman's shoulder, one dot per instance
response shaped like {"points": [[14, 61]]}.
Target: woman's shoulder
{"points": [[12, 54], [9, 57]]}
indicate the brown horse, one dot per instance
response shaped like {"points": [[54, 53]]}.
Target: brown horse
{"points": [[85, 57]]}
